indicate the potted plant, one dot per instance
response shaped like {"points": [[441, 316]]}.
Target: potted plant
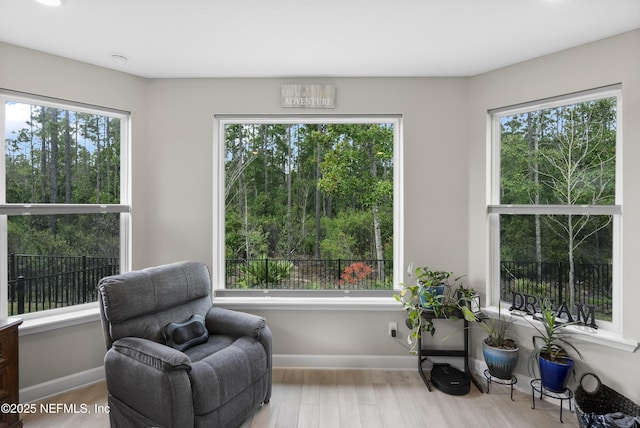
{"points": [[500, 352], [549, 352], [430, 298], [433, 284], [409, 296], [468, 296]]}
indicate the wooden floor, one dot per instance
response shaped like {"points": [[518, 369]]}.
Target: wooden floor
{"points": [[347, 399]]}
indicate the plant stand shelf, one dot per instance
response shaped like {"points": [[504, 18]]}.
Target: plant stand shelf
{"points": [[536, 386], [492, 379], [423, 354]]}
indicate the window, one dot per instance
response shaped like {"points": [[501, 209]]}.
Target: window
{"points": [[309, 203], [64, 213], [555, 209]]}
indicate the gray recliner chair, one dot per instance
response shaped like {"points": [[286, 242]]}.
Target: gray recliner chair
{"points": [[174, 359]]}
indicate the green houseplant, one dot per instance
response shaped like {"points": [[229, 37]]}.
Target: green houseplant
{"points": [[550, 348], [433, 284], [424, 302], [469, 297], [500, 352]]}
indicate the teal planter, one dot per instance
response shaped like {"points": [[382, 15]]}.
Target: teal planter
{"points": [[436, 291], [500, 362], [554, 375]]}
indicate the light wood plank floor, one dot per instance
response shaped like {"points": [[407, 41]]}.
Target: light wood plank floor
{"points": [[350, 399]]}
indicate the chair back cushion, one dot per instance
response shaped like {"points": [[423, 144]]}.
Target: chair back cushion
{"points": [[141, 303]]}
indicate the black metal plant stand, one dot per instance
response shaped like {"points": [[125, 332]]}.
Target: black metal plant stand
{"points": [[492, 379], [462, 353], [536, 386]]}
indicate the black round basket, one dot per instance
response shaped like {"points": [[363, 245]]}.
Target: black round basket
{"points": [[595, 407]]}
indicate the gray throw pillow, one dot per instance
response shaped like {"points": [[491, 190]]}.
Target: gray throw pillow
{"points": [[184, 335]]}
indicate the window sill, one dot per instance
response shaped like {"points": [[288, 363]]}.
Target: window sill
{"points": [[58, 319], [345, 303], [607, 338], [33, 324]]}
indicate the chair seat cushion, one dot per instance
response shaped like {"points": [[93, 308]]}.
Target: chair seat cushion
{"points": [[219, 377], [184, 335]]}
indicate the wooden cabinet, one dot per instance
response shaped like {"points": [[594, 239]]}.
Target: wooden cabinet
{"points": [[9, 371]]}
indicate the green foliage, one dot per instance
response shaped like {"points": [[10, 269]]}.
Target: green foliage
{"points": [[428, 277], [415, 297], [258, 273], [563, 155], [308, 190], [552, 341], [347, 235], [497, 330], [409, 297], [61, 156], [338, 245], [535, 288]]}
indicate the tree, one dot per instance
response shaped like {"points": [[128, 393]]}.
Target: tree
{"points": [[578, 167], [351, 170], [64, 156], [565, 156]]}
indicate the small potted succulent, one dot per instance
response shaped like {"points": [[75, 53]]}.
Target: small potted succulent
{"points": [[468, 296]]}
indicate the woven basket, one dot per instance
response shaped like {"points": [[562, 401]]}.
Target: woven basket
{"points": [[592, 406]]}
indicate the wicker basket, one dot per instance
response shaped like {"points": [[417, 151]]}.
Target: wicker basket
{"points": [[594, 408]]}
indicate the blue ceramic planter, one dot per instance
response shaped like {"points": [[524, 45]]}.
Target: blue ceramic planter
{"points": [[436, 291], [554, 375], [501, 362]]}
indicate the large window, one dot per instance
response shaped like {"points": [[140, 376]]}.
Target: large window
{"points": [[555, 208], [309, 203], [64, 203]]}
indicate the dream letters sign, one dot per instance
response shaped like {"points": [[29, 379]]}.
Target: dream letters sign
{"points": [[529, 304], [308, 96]]}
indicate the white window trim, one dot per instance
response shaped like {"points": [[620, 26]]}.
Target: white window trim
{"points": [[77, 314], [312, 298], [614, 329], [604, 337]]}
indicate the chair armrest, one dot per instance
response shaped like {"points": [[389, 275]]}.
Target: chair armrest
{"points": [[156, 355], [234, 323], [149, 381]]}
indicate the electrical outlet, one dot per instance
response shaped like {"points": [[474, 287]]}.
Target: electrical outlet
{"points": [[393, 329]]}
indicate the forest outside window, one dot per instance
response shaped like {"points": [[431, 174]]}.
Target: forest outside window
{"points": [[555, 207], [309, 204], [64, 211]]}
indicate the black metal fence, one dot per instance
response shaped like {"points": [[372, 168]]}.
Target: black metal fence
{"points": [[591, 283], [327, 274], [37, 283]]}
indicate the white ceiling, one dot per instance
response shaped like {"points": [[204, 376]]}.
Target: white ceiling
{"points": [[299, 38]]}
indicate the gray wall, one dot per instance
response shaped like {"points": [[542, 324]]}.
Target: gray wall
{"points": [[444, 173]]}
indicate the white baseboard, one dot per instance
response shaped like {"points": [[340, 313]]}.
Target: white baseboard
{"points": [[388, 362], [62, 384]]}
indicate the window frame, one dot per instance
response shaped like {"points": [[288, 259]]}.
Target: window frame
{"points": [[311, 298], [6, 209], [495, 208]]}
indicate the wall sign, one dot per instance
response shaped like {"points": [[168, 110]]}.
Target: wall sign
{"points": [[308, 96], [529, 304]]}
